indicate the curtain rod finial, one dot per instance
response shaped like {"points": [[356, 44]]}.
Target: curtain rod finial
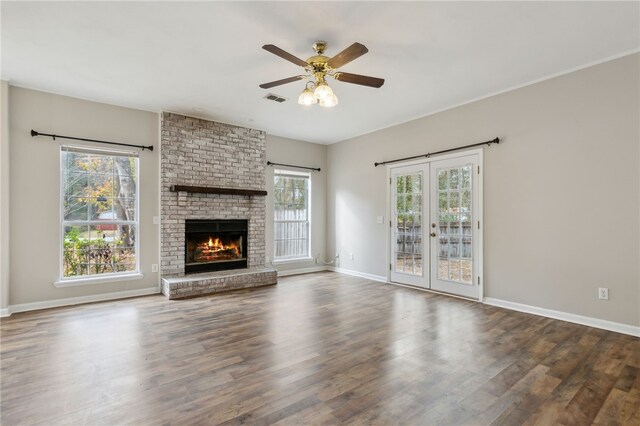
{"points": [[33, 133]]}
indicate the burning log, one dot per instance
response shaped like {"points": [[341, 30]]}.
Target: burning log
{"points": [[214, 250]]}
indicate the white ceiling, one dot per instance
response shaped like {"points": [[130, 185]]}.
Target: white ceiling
{"points": [[205, 58]]}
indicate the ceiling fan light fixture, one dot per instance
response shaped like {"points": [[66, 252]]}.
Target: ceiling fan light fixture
{"points": [[329, 101], [323, 91], [307, 97], [317, 67]]}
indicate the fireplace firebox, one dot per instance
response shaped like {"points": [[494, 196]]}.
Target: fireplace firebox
{"points": [[215, 245]]}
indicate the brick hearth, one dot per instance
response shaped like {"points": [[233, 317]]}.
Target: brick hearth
{"points": [[214, 282]]}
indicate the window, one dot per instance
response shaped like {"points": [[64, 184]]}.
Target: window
{"points": [[99, 191], [291, 213]]}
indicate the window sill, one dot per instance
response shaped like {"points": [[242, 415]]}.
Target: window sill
{"points": [[98, 280], [293, 260]]}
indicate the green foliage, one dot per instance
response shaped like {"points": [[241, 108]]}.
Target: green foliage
{"points": [[96, 256], [74, 251]]}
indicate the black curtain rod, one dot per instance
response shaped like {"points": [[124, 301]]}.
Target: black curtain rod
{"points": [[496, 140], [317, 169], [54, 136]]}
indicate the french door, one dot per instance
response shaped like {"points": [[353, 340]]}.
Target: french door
{"points": [[435, 227], [409, 265]]}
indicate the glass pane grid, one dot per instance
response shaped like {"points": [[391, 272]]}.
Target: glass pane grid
{"points": [[408, 213], [291, 216], [99, 196], [454, 245]]}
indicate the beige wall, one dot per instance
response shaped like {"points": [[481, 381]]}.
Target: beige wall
{"points": [[288, 151], [35, 188], [561, 193]]}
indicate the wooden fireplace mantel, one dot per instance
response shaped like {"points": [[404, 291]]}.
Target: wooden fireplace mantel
{"points": [[212, 190]]}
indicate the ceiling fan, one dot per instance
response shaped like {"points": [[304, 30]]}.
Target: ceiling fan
{"points": [[318, 67]]}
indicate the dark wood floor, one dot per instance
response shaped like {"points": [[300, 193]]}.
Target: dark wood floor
{"points": [[315, 349]]}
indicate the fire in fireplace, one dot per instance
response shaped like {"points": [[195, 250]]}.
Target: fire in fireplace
{"points": [[214, 245]]}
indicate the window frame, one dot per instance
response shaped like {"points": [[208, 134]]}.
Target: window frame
{"points": [[293, 259], [106, 277]]}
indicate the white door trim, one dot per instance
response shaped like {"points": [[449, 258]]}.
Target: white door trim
{"points": [[479, 152]]}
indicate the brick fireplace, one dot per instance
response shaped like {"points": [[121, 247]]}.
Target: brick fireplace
{"points": [[204, 153]]}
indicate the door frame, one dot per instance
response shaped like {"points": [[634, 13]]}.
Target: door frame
{"points": [[480, 276]]}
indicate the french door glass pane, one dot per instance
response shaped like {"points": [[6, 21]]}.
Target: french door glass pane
{"points": [[408, 190], [454, 245]]}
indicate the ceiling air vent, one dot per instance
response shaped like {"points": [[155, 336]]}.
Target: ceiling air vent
{"points": [[275, 98]]}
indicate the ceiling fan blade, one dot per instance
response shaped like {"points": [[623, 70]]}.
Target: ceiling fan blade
{"points": [[363, 80], [284, 55], [281, 82], [347, 55]]}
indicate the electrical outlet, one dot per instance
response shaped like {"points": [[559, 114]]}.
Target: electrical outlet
{"points": [[350, 256], [603, 293], [380, 219], [154, 267]]}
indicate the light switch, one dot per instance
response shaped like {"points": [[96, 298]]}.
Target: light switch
{"points": [[380, 219], [156, 220]]}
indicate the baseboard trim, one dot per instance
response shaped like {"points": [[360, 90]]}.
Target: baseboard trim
{"points": [[24, 307], [371, 277], [565, 316], [301, 271], [5, 312]]}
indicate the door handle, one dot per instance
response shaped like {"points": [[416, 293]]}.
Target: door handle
{"points": [[433, 234]]}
